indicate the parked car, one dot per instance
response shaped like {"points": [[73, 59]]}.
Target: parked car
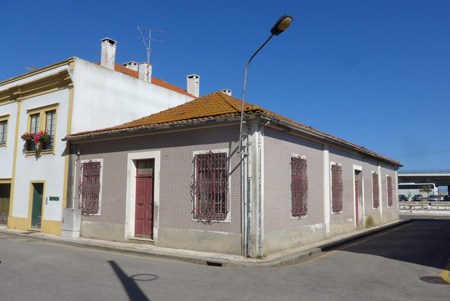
{"points": [[446, 198], [402, 198], [417, 197], [433, 198]]}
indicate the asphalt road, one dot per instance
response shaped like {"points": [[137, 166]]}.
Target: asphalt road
{"points": [[404, 263]]}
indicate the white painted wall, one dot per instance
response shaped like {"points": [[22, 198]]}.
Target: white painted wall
{"points": [[102, 98], [48, 167], [105, 98], [7, 153]]}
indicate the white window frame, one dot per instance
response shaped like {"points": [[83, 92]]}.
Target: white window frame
{"points": [[331, 187], [372, 192], [387, 191], [5, 118]]}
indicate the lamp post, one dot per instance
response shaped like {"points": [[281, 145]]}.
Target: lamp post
{"points": [[247, 204], [281, 25]]}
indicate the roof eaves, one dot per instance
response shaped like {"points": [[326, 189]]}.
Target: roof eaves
{"points": [[115, 132], [330, 138]]}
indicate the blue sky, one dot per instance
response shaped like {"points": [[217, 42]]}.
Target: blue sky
{"points": [[375, 73]]}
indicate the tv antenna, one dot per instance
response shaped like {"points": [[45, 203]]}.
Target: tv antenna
{"points": [[147, 41]]}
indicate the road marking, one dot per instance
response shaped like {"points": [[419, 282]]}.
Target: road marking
{"points": [[343, 248], [445, 273]]}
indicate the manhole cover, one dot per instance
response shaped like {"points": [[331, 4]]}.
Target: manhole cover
{"points": [[434, 280]]}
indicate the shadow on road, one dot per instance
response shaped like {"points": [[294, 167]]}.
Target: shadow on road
{"points": [[129, 282], [423, 242]]}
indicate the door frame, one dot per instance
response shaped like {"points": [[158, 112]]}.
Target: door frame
{"points": [[148, 179], [30, 202], [8, 205], [130, 210]]}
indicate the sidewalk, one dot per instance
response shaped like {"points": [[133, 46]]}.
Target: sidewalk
{"points": [[281, 258]]}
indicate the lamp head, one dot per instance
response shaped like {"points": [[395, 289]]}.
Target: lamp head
{"points": [[281, 25]]}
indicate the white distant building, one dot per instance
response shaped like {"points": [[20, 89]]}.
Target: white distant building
{"points": [[68, 97]]}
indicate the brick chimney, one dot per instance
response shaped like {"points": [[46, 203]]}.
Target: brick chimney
{"points": [[108, 59], [193, 85], [145, 72]]}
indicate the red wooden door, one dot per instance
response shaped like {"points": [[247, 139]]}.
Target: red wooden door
{"points": [[144, 199], [356, 201]]}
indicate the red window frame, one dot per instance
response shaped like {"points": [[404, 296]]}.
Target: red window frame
{"points": [[299, 186], [211, 186], [89, 188], [376, 190], [389, 191], [336, 188]]}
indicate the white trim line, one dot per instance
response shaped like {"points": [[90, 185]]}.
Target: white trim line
{"points": [[326, 190]]}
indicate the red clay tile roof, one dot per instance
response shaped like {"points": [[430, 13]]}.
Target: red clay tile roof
{"points": [[155, 81], [212, 106]]}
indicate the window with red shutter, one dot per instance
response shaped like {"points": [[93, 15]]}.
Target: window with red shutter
{"points": [[299, 186], [211, 185], [389, 191], [376, 190], [89, 188], [336, 188]]}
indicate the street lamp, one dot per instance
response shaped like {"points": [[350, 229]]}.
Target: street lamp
{"points": [[281, 25]]}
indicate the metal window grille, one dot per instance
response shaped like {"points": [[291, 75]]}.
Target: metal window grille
{"points": [[211, 184], [90, 187], [376, 190], [336, 188], [389, 191], [3, 127], [50, 128], [299, 186]]}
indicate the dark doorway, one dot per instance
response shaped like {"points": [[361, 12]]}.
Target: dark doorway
{"points": [[36, 213], [5, 195]]}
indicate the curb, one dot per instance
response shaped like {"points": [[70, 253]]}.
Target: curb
{"points": [[286, 260]]}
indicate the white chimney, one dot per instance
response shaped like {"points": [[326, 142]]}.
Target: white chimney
{"points": [[145, 72], [226, 91], [193, 85], [108, 53], [131, 65]]}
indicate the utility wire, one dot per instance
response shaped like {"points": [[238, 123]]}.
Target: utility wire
{"points": [[395, 156]]}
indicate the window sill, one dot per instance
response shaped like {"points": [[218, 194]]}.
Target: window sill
{"points": [[2, 144], [212, 221], [43, 152], [299, 217]]}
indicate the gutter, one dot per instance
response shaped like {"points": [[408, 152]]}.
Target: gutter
{"points": [[220, 120]]}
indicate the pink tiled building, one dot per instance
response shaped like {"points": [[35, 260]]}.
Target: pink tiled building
{"points": [[177, 179]]}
